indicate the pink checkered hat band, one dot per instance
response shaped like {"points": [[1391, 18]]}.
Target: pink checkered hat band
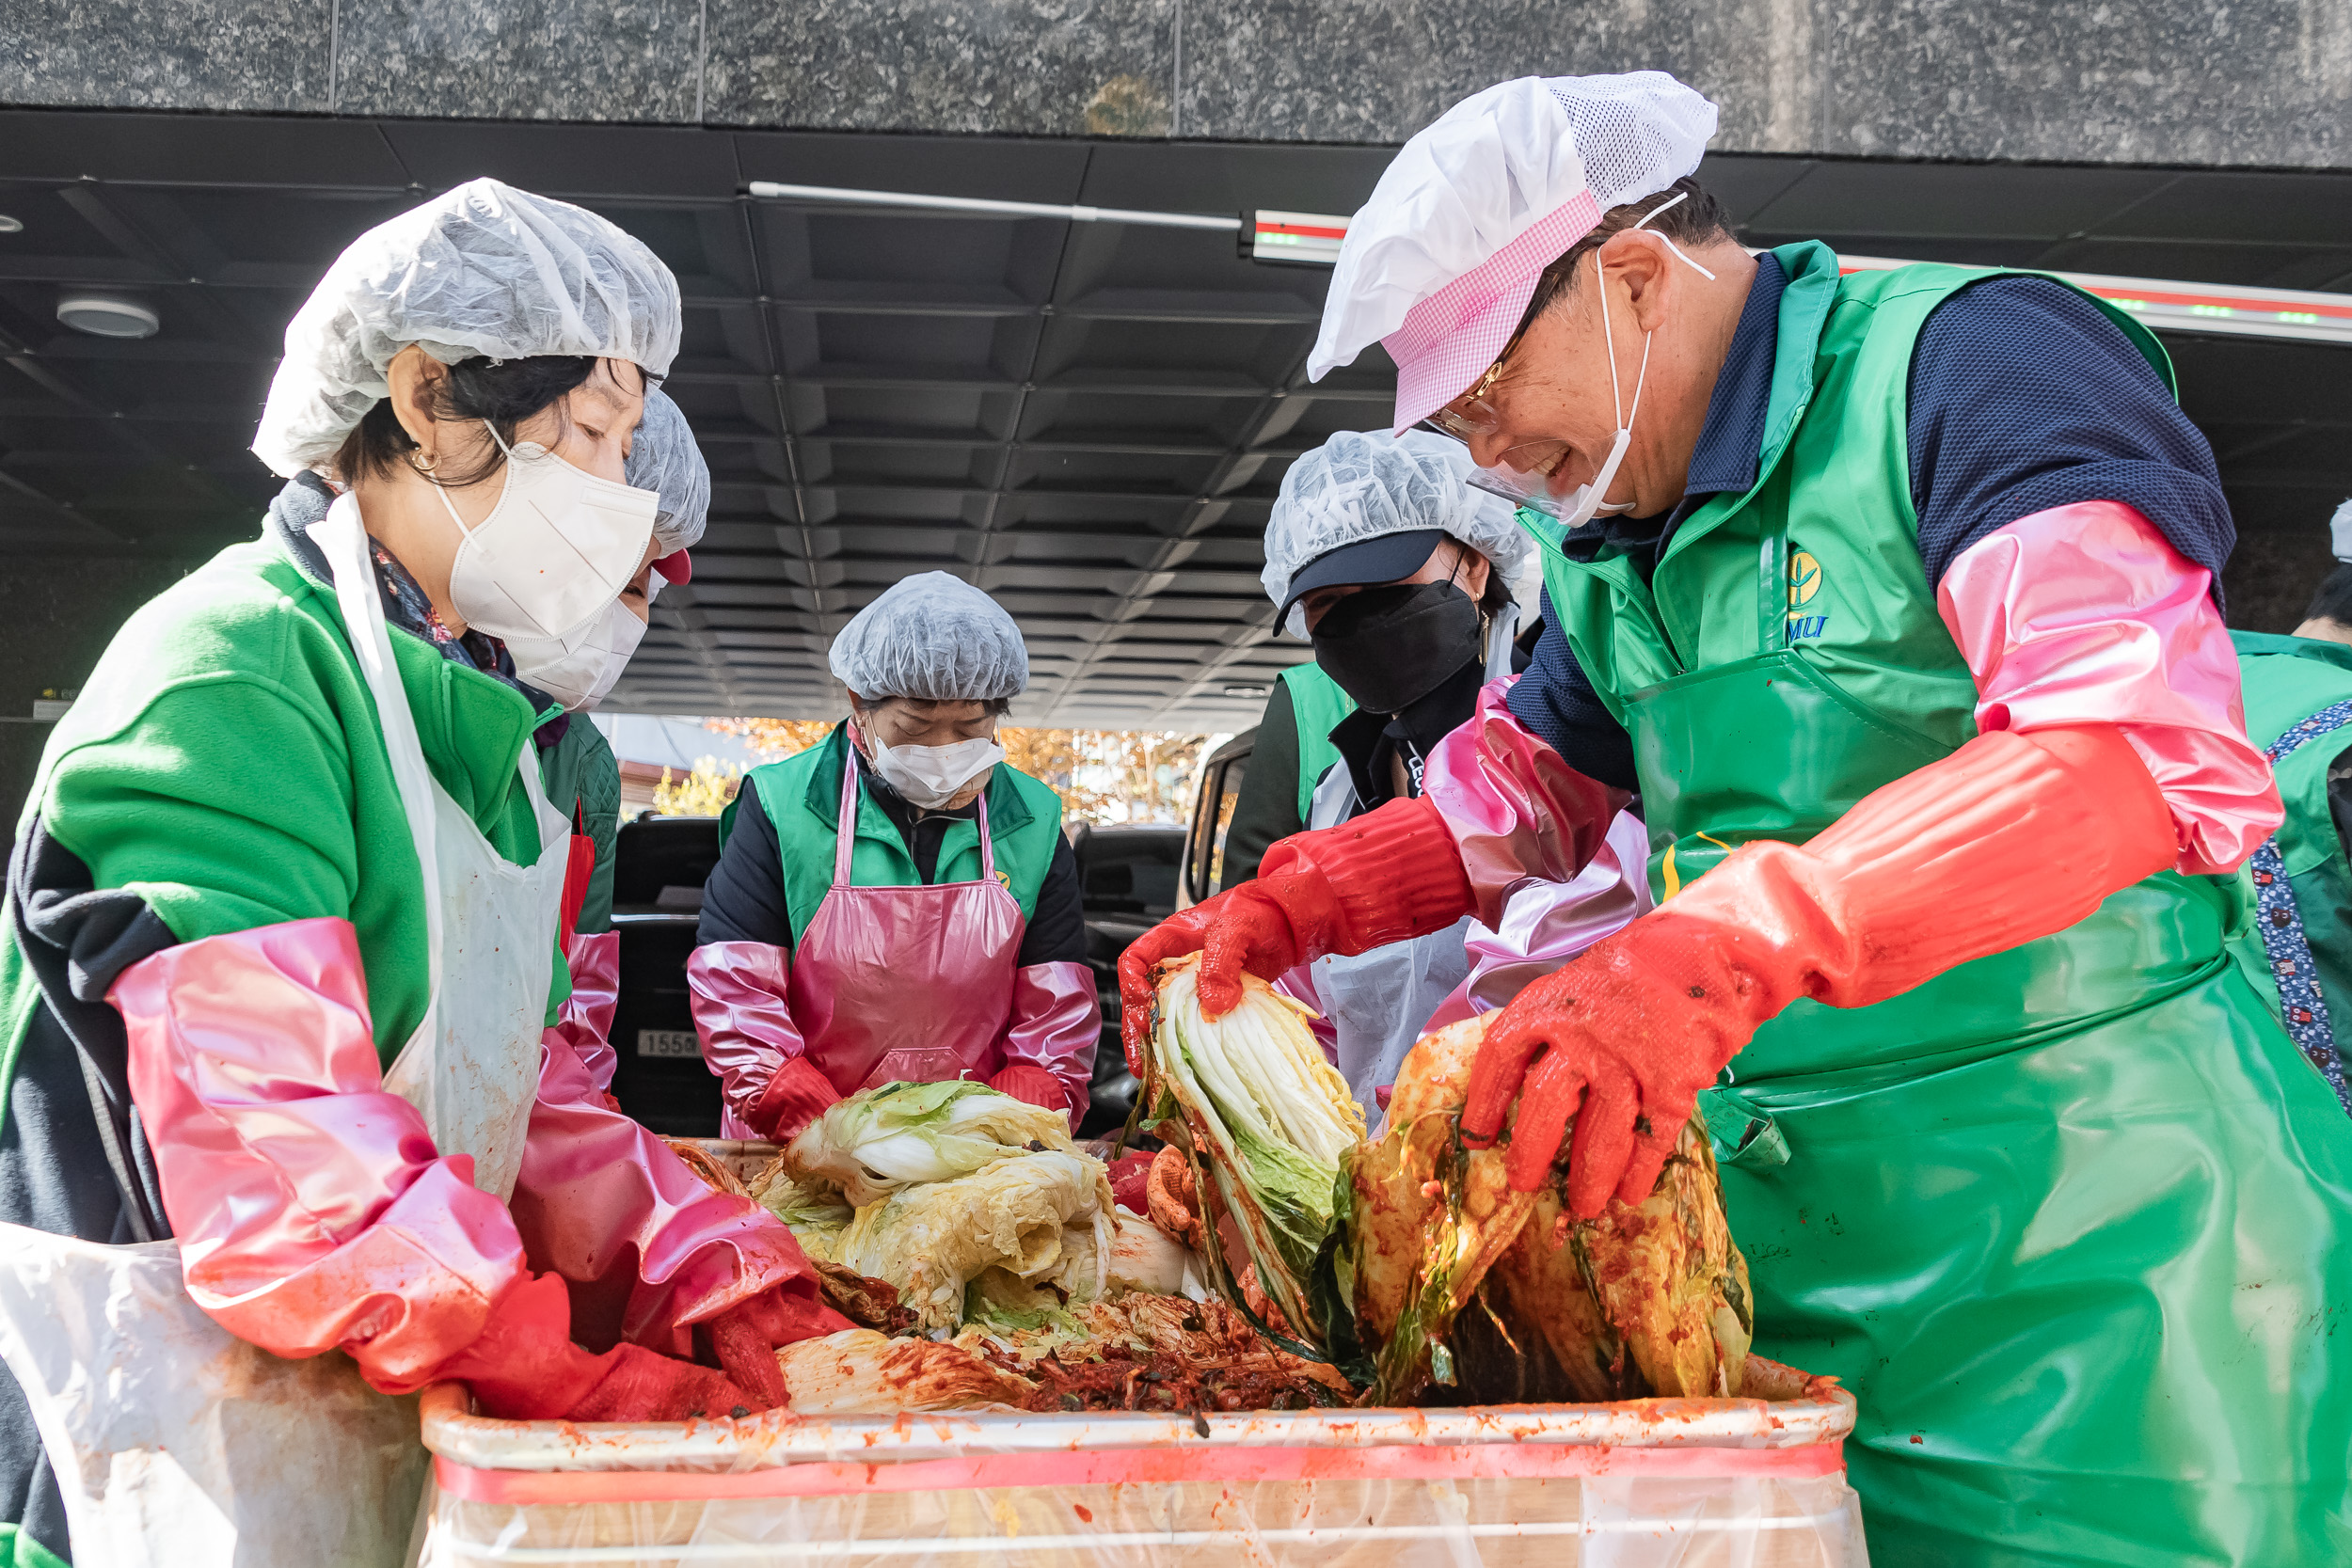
{"points": [[1448, 340]]}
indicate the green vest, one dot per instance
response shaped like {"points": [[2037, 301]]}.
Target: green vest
{"points": [[802, 797], [2298, 705], [225, 762], [2021, 1210], [1317, 704], [581, 774]]}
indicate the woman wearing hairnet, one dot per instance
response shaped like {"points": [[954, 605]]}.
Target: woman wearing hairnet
{"points": [[282, 942], [581, 776], [1400, 573], [898, 903]]}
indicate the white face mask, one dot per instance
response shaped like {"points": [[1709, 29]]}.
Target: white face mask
{"points": [[578, 669], [930, 776], [554, 552]]}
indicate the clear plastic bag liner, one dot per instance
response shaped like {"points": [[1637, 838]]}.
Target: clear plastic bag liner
{"points": [[175, 1442]]}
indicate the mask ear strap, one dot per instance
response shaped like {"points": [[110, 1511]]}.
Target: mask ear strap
{"points": [[1608, 338], [449, 506], [1678, 198]]}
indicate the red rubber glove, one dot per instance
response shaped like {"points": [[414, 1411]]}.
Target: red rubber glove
{"points": [[745, 1336], [2011, 838], [1131, 1176], [1033, 1085], [796, 1096], [1386, 876], [640, 1385], [524, 1368]]}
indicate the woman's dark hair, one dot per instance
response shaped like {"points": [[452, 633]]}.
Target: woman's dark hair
{"points": [[506, 392], [1497, 590], [1697, 219], [2333, 602]]}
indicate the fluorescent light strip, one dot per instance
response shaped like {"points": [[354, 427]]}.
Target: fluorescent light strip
{"points": [[1313, 239], [2298, 314], [1307, 238]]}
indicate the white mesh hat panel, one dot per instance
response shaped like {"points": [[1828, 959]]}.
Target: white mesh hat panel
{"points": [[1639, 133]]}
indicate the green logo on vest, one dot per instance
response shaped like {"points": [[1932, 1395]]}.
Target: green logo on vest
{"points": [[1804, 580]]}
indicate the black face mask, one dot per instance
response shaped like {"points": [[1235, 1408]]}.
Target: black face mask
{"points": [[1388, 647]]}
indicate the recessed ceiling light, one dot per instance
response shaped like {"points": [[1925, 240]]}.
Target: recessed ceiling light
{"points": [[1246, 692], [103, 316], [10, 225]]}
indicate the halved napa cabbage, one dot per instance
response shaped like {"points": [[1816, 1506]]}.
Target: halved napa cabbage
{"points": [[1016, 1214], [1269, 1119], [880, 1140]]}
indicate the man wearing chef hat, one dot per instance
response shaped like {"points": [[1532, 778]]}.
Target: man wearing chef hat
{"points": [[1895, 597]]}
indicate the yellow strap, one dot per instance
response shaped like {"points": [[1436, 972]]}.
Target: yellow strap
{"points": [[1674, 878]]}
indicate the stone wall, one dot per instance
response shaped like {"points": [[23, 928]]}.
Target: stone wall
{"points": [[2199, 81]]}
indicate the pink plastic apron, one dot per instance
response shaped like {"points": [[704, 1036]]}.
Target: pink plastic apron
{"points": [[905, 984]]}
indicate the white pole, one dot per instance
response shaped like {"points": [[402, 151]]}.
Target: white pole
{"points": [[770, 190]]}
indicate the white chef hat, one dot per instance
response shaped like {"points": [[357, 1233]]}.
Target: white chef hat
{"points": [[2340, 534], [1439, 265], [483, 269], [1369, 507], [935, 638]]}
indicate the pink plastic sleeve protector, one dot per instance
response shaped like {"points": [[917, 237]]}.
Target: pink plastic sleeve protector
{"points": [[312, 1207], [1056, 1024], [2087, 615], [1515, 808], [743, 1021], [647, 1249], [1546, 924], [585, 1020]]}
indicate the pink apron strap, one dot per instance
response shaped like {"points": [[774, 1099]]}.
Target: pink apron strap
{"points": [[844, 827], [844, 823], [988, 845]]}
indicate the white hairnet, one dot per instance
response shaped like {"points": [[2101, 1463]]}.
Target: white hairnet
{"points": [[1362, 485], [934, 638], [483, 269], [664, 458], [1499, 188], [2339, 532]]}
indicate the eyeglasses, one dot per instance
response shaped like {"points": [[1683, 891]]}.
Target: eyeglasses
{"points": [[1470, 414]]}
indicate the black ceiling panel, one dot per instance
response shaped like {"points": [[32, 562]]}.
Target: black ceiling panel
{"points": [[1088, 421]]}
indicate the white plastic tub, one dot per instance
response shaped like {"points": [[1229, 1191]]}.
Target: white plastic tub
{"points": [[1750, 1482]]}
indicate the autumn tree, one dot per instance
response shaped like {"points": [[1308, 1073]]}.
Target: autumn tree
{"points": [[1103, 776]]}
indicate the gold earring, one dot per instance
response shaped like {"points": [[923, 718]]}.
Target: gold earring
{"points": [[422, 464]]}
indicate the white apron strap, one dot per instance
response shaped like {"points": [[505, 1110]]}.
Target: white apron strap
{"points": [[345, 541], [1500, 634]]}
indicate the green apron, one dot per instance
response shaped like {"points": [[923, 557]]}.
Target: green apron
{"points": [[1317, 707], [2071, 1222], [801, 799], [2299, 710]]}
